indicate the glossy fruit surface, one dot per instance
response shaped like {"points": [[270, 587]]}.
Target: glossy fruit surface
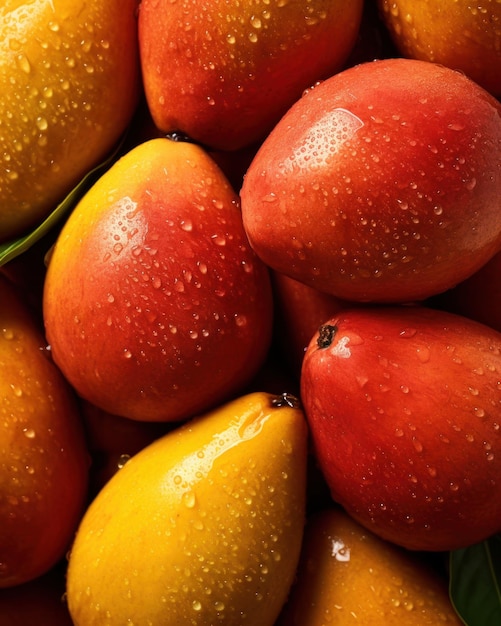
{"points": [[43, 456], [224, 73], [155, 306], [461, 34], [374, 185], [69, 83], [348, 575], [404, 408], [203, 526]]}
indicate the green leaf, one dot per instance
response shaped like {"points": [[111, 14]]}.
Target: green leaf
{"points": [[15, 247], [475, 582]]}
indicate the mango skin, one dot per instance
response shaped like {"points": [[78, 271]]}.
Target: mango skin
{"points": [[155, 306], [375, 183], [460, 34], [204, 526], [225, 72], [405, 401], [69, 85], [44, 462], [347, 575]]}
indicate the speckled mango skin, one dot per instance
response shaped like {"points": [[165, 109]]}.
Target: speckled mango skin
{"points": [[202, 527], [69, 84]]}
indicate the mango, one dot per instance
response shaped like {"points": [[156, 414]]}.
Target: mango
{"points": [[69, 85], [203, 526]]}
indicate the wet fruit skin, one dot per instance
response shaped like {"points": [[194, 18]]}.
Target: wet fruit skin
{"points": [[462, 35], [155, 306], [204, 526], [404, 407], [43, 456], [224, 73], [348, 575], [373, 185], [69, 84]]}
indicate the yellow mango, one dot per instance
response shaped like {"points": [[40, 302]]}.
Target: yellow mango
{"points": [[349, 576], [69, 85], [203, 526]]}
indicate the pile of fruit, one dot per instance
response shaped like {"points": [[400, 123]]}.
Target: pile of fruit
{"points": [[250, 312]]}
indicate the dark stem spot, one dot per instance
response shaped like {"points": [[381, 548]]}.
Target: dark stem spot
{"points": [[286, 399], [326, 334]]}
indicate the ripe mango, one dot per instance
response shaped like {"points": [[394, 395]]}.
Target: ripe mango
{"points": [[44, 462], [69, 84], [203, 526], [347, 575]]}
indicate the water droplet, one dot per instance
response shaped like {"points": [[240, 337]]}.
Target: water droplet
{"points": [[240, 320], [423, 354], [339, 550], [418, 446], [123, 459], [456, 126], [219, 240], [408, 332], [24, 64], [29, 433], [196, 605], [7, 333], [189, 499], [18, 392]]}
